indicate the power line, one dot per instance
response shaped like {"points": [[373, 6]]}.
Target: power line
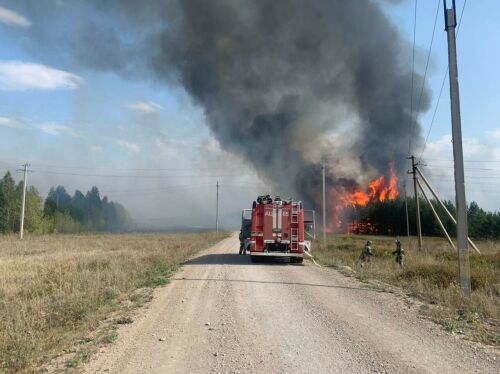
{"points": [[470, 176], [410, 125], [163, 188], [473, 181], [142, 176], [443, 160], [451, 167], [154, 191], [429, 54], [441, 89], [130, 169], [142, 192], [57, 166]]}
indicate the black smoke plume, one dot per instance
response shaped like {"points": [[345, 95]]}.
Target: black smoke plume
{"points": [[285, 84]]}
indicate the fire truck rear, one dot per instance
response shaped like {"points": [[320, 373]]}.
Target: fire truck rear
{"points": [[279, 229]]}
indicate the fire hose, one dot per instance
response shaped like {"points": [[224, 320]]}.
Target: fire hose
{"points": [[311, 257]]}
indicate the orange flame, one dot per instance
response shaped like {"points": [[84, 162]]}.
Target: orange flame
{"points": [[378, 190]]}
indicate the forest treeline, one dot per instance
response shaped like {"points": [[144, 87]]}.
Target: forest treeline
{"points": [[59, 212], [389, 218]]}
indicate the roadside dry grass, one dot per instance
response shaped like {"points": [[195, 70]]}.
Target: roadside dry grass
{"points": [[432, 276], [56, 291]]}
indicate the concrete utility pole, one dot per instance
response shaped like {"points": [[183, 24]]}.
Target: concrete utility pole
{"points": [[217, 209], [440, 223], [324, 204], [25, 171], [450, 19], [436, 196], [407, 218], [417, 205]]}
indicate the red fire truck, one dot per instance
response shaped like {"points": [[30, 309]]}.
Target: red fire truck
{"points": [[278, 228]]}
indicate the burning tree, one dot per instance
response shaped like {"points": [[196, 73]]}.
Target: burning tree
{"points": [[347, 204]]}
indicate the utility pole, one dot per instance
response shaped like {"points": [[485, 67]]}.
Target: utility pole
{"points": [[417, 205], [324, 204], [440, 223], [25, 172], [444, 207], [407, 218], [450, 20], [217, 209]]}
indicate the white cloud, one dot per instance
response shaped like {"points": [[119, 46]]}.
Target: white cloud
{"points": [[56, 130], [128, 145], [145, 106], [494, 134], [474, 149], [12, 18], [21, 76], [211, 145], [96, 148], [9, 122], [482, 168]]}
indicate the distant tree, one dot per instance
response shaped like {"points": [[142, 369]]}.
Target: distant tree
{"points": [[84, 212], [59, 198], [61, 212], [95, 209], [10, 204], [33, 218], [389, 218], [62, 222], [79, 207], [10, 207]]}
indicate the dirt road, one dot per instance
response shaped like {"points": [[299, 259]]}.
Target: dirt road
{"points": [[279, 318]]}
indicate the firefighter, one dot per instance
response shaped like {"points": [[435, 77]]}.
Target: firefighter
{"points": [[366, 253], [242, 244], [399, 253]]}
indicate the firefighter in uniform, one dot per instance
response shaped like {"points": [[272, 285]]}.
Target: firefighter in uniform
{"points": [[242, 244], [366, 253], [399, 253]]}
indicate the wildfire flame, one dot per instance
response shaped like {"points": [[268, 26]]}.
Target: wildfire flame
{"points": [[378, 190]]}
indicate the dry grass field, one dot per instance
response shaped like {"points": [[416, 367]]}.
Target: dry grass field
{"points": [[57, 291], [432, 276]]}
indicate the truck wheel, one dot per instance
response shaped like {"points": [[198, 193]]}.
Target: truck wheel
{"points": [[296, 260]]}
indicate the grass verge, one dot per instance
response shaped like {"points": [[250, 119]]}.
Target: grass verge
{"points": [[431, 275], [55, 291]]}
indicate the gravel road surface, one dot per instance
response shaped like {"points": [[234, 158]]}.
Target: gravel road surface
{"points": [[223, 314]]}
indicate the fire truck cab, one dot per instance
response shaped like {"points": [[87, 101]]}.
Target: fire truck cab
{"points": [[279, 229]]}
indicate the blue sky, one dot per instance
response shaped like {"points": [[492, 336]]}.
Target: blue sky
{"points": [[478, 59], [73, 123]]}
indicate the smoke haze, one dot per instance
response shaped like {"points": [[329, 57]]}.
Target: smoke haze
{"points": [[282, 84]]}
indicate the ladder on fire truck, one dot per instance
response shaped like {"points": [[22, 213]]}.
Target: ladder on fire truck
{"points": [[294, 227]]}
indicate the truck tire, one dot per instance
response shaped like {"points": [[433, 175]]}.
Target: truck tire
{"points": [[296, 260]]}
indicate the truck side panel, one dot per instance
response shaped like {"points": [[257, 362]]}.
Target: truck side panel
{"points": [[269, 221]]}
